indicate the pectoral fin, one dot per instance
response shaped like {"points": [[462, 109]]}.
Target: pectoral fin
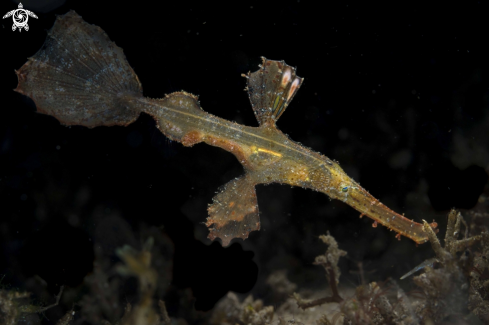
{"points": [[234, 211]]}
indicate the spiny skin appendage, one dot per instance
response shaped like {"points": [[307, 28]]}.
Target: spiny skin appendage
{"points": [[347, 190], [82, 78]]}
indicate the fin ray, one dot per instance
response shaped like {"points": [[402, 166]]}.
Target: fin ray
{"points": [[271, 89], [234, 211], [80, 76]]}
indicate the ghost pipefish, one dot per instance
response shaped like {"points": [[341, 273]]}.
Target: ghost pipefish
{"points": [[81, 77]]}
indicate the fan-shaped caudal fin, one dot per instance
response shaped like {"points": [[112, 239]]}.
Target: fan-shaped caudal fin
{"points": [[234, 211], [271, 89], [79, 76]]}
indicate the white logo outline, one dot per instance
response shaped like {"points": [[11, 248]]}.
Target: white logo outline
{"points": [[20, 17]]}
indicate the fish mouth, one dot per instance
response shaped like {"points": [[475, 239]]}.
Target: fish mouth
{"points": [[369, 206]]}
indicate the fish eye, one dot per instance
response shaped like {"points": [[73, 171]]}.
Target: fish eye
{"points": [[345, 189]]}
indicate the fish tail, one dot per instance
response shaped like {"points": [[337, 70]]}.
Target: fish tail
{"points": [[80, 77]]}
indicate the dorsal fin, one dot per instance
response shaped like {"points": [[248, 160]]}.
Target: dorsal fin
{"points": [[271, 90]]}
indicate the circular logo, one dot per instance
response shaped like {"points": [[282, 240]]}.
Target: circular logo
{"points": [[20, 17]]}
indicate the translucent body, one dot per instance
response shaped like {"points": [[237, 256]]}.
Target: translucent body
{"points": [[81, 77]]}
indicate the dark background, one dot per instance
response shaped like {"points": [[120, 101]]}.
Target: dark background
{"points": [[398, 94]]}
